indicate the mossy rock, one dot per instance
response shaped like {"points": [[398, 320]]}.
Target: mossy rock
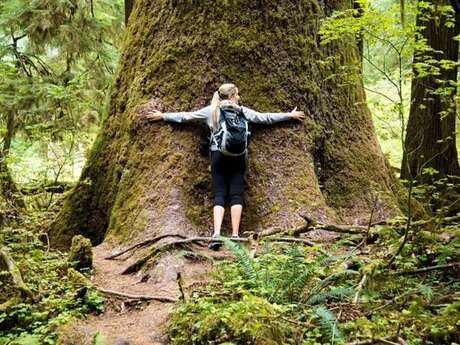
{"points": [[81, 253]]}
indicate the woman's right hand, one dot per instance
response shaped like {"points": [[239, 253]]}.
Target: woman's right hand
{"points": [[154, 115]]}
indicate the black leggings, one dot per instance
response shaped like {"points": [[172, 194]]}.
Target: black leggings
{"points": [[227, 178]]}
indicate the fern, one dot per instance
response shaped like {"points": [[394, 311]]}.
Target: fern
{"points": [[336, 294], [243, 259], [328, 323], [334, 277]]}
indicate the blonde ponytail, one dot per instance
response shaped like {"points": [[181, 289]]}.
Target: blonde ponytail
{"points": [[215, 104], [226, 90]]}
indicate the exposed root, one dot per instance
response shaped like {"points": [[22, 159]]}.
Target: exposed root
{"points": [[138, 297], [136, 266], [345, 229], [143, 244]]}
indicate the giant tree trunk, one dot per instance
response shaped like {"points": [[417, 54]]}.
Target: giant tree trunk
{"points": [[145, 178], [430, 137]]}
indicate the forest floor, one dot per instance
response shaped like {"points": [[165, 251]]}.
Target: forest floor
{"points": [[133, 322]]}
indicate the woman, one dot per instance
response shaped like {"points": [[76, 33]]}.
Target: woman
{"points": [[227, 171]]}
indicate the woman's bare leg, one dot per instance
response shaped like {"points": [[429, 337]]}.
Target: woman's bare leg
{"points": [[236, 211], [218, 218]]}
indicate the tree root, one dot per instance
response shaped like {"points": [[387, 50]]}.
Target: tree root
{"points": [[143, 244], [138, 297], [344, 229], [136, 266], [312, 224], [11, 267], [169, 246]]}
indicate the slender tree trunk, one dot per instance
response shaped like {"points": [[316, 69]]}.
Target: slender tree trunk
{"points": [[146, 178], [8, 188], [129, 4], [430, 136]]}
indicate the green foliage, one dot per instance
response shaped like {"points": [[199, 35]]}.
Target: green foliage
{"points": [[59, 296], [274, 292], [56, 62]]}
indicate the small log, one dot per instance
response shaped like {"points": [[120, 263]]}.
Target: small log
{"points": [[138, 297], [11, 267]]}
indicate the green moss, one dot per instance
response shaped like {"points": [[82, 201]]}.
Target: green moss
{"points": [[175, 57], [81, 254]]}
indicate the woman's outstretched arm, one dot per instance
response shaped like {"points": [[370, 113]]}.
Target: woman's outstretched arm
{"points": [[269, 118], [184, 116]]}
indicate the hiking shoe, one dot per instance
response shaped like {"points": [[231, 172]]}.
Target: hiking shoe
{"points": [[235, 237], [215, 245]]}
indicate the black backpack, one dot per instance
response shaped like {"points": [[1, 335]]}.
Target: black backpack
{"points": [[232, 137]]}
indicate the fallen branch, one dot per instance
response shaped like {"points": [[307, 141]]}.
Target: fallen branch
{"points": [[426, 269], [49, 187], [386, 340], [11, 267], [138, 297], [345, 229], [359, 289], [143, 244]]}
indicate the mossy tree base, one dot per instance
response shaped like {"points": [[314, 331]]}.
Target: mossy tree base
{"points": [[144, 179]]}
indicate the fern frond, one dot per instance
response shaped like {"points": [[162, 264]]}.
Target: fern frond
{"points": [[333, 294], [243, 259], [333, 278], [328, 323]]}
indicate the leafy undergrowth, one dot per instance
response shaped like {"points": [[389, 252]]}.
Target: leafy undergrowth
{"points": [[295, 295], [59, 291]]}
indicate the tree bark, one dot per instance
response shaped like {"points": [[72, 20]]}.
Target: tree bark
{"points": [[8, 188], [430, 136], [144, 179]]}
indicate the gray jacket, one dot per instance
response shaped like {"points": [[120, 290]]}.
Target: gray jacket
{"points": [[204, 115]]}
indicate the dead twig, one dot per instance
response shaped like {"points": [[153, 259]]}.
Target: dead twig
{"points": [[359, 289], [138, 297]]}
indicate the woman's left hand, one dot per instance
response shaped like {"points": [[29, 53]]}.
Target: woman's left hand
{"points": [[297, 115]]}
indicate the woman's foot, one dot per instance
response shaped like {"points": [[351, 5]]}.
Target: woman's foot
{"points": [[215, 245]]}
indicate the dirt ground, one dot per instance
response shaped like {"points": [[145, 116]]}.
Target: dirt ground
{"points": [[128, 321]]}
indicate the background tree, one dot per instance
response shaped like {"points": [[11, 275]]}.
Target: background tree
{"points": [[147, 178], [430, 135], [55, 62]]}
